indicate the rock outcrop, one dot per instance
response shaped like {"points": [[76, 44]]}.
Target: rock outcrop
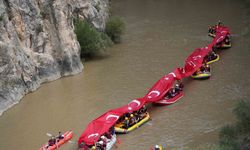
{"points": [[38, 43]]}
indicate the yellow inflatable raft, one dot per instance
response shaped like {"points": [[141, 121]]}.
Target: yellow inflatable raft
{"points": [[204, 75], [120, 129], [212, 61], [227, 45]]}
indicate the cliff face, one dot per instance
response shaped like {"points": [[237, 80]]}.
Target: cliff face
{"points": [[38, 43]]}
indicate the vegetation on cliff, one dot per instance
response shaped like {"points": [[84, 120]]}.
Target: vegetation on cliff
{"points": [[91, 40]]}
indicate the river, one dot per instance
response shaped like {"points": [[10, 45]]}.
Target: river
{"points": [[159, 35]]}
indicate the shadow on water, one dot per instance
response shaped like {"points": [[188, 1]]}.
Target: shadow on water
{"points": [[95, 57]]}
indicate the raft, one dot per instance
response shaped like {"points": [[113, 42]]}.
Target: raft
{"points": [[119, 129], [111, 143], [171, 100], [67, 136], [216, 59], [226, 45], [204, 75]]}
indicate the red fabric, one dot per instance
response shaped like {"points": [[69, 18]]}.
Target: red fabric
{"points": [[160, 88], [102, 124], [221, 33], [195, 60]]}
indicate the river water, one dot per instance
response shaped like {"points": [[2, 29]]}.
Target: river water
{"points": [[160, 34]]}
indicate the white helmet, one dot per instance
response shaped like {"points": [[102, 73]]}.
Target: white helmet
{"points": [[101, 142], [157, 146], [102, 137]]}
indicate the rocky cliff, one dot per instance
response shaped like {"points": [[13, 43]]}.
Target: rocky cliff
{"points": [[38, 43]]}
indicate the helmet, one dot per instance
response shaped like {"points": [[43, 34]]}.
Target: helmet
{"points": [[102, 137], [126, 118], [101, 142], [157, 146], [93, 148], [131, 115]]}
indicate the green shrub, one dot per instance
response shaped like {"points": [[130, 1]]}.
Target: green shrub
{"points": [[237, 136], [90, 40], [114, 29], [227, 138]]}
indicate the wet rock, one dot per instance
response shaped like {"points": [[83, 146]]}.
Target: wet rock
{"points": [[38, 43]]}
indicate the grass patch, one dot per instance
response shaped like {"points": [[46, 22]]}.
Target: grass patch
{"points": [[115, 28]]}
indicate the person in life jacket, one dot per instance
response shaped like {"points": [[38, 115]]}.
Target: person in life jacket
{"points": [[60, 136], [181, 85], [100, 145], [93, 148], [105, 140], [142, 112], [157, 147], [51, 142], [211, 30], [132, 120], [205, 68], [126, 122], [227, 39]]}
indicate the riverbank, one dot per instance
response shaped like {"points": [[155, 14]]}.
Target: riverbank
{"points": [[38, 43]]}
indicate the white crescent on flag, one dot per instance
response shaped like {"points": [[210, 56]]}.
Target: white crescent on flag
{"points": [[93, 135], [112, 116], [197, 57], [223, 32], [173, 74], [219, 39], [155, 92], [135, 101]]}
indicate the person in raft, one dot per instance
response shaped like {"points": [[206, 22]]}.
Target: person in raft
{"points": [[103, 141], [205, 68], [175, 90], [179, 86], [126, 123], [211, 30], [157, 147], [211, 56], [227, 39], [60, 136], [51, 142], [132, 120]]}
